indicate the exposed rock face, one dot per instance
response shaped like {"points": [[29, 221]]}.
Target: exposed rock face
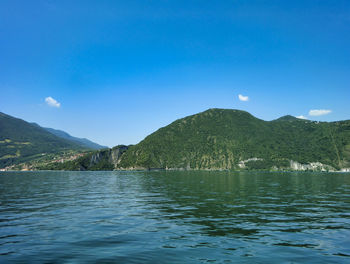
{"points": [[242, 163], [106, 159], [115, 154], [314, 166], [97, 157]]}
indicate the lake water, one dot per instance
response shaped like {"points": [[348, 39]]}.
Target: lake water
{"points": [[174, 217]]}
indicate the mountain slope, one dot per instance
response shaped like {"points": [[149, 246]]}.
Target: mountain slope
{"points": [[226, 139], [81, 141], [21, 141]]}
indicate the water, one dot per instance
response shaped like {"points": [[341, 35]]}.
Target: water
{"points": [[174, 217]]}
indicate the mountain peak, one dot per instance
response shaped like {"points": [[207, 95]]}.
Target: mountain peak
{"points": [[226, 111], [287, 118]]}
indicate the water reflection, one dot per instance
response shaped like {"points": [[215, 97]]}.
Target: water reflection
{"points": [[272, 208], [149, 217], [225, 203]]}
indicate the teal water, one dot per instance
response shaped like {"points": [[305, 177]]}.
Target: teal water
{"points": [[174, 217]]}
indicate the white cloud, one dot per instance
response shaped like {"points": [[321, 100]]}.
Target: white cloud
{"points": [[301, 117], [52, 102], [243, 98], [319, 112]]}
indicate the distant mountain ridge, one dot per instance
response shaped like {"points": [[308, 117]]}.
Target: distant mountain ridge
{"points": [[21, 141], [82, 141]]}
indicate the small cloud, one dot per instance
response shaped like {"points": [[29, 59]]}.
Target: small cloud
{"points": [[52, 102], [301, 117], [319, 112], [243, 98]]}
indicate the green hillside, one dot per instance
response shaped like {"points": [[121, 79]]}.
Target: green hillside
{"points": [[223, 139], [21, 141]]}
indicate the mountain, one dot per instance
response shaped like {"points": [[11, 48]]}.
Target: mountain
{"points": [[219, 139], [233, 139], [288, 118], [21, 141], [81, 141]]}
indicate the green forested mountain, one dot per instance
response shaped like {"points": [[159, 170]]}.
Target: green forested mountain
{"points": [[22, 141], [232, 139]]}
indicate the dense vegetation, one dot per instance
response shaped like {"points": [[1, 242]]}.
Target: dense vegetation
{"points": [[221, 138], [21, 141]]}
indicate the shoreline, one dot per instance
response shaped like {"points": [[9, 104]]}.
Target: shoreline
{"points": [[184, 170]]}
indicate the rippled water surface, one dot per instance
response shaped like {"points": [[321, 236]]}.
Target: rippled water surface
{"points": [[174, 217]]}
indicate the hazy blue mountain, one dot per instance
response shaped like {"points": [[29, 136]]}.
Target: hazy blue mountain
{"points": [[81, 141]]}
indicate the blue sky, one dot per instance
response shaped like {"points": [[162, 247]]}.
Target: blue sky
{"points": [[119, 70]]}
